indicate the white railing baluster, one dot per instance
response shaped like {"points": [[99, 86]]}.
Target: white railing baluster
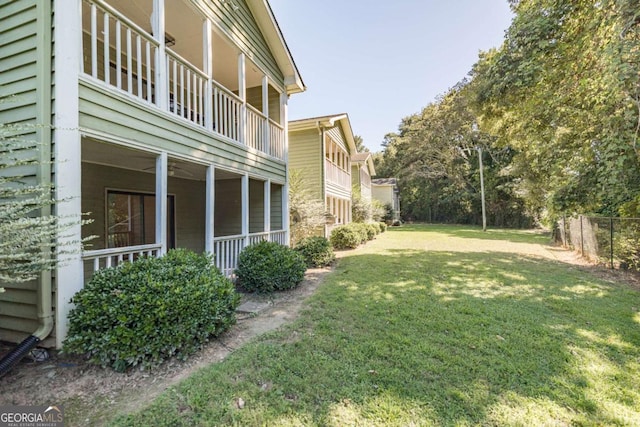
{"points": [[94, 41], [118, 55], [149, 66], [106, 44], [139, 65], [129, 65]]}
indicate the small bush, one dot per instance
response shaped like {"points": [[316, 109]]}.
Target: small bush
{"points": [[396, 223], [376, 227], [270, 266], [383, 226], [345, 237], [143, 312], [361, 229], [317, 251], [372, 231]]}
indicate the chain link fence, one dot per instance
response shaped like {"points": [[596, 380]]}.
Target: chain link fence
{"points": [[604, 240]]}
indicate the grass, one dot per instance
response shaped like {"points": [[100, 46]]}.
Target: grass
{"points": [[433, 325]]}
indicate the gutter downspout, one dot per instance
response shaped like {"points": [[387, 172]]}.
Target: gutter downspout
{"points": [[43, 136]]}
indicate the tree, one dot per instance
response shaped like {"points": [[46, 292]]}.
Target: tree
{"points": [[563, 93], [307, 214], [360, 147], [27, 236]]}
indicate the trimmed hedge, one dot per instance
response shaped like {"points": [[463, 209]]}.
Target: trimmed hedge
{"points": [[345, 237], [383, 226], [270, 266], [317, 251], [143, 312]]}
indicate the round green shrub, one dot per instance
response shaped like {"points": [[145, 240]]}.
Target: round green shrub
{"points": [[361, 229], [316, 250], [270, 266], [383, 226], [376, 227], [143, 312], [345, 237], [372, 231]]}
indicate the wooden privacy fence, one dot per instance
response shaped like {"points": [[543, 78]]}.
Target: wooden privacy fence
{"points": [[604, 240]]}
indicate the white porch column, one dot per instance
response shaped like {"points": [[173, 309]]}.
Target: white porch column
{"points": [[284, 120], [242, 93], [158, 29], [244, 198], [207, 56], [209, 222], [68, 170], [267, 205], [161, 201], [265, 111]]}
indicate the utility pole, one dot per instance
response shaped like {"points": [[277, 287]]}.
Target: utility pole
{"points": [[484, 213]]}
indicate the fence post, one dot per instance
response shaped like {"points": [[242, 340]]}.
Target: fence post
{"points": [[611, 244]]}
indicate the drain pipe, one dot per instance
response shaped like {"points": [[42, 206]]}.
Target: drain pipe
{"points": [[43, 134], [45, 320]]}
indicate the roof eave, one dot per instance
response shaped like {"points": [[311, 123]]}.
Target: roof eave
{"points": [[268, 24]]}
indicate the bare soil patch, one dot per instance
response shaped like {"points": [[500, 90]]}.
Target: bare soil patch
{"points": [[90, 394]]}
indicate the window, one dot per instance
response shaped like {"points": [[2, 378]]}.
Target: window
{"points": [[131, 219]]}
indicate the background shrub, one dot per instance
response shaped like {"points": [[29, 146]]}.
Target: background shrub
{"points": [[383, 226], [345, 237], [317, 251], [143, 312], [372, 230], [270, 266]]}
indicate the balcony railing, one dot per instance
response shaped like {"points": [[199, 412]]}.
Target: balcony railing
{"points": [[227, 248], [105, 258], [122, 55], [226, 251], [336, 175]]}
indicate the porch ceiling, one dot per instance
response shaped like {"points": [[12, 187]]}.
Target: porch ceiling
{"points": [[126, 158]]}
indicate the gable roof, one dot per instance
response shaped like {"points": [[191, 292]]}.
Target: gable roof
{"points": [[385, 181], [341, 120], [366, 158], [263, 14]]}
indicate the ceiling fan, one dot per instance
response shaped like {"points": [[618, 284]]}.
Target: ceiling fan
{"points": [[172, 168]]}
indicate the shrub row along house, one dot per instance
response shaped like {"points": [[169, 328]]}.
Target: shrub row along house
{"points": [[165, 123]]}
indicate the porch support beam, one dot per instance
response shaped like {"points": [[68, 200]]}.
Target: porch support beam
{"points": [[242, 93], [284, 120], [265, 111], [210, 210], [162, 163], [244, 197], [68, 166], [158, 29], [207, 56]]}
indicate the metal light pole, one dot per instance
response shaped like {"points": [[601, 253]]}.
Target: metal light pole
{"points": [[484, 213]]}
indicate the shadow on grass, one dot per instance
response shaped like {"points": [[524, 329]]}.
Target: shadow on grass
{"points": [[436, 338], [475, 232]]}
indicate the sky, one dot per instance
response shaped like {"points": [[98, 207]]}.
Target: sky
{"points": [[382, 60]]}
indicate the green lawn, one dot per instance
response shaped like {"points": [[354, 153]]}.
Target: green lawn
{"points": [[434, 325]]}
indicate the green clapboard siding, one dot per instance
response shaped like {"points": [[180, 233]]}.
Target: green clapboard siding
{"points": [[256, 206], [305, 155], [108, 112], [244, 30], [276, 207], [25, 100]]}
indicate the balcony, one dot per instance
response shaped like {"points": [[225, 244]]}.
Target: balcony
{"points": [[226, 94], [337, 175]]}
